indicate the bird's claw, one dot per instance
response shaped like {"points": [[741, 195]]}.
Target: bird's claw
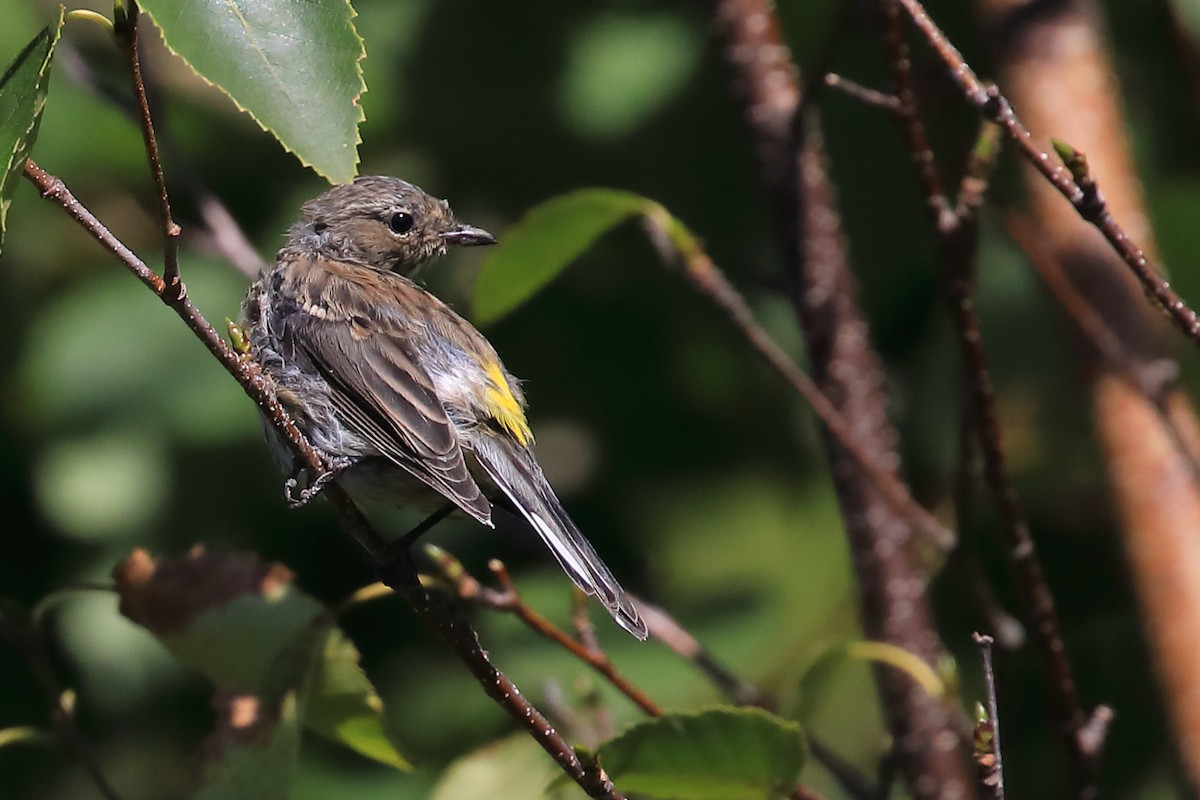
{"points": [[298, 497]]}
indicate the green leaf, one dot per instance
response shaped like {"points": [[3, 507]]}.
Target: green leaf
{"points": [[22, 98], [513, 768], [236, 619], [244, 625], [718, 754], [344, 707], [550, 237], [292, 65]]}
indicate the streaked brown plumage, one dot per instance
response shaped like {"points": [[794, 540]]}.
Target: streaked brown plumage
{"points": [[404, 396]]}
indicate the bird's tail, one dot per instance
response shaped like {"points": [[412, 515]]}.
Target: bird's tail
{"points": [[513, 469]]}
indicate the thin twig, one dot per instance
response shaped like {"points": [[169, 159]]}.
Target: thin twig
{"points": [[224, 235], [989, 763], [900, 72], [957, 233], [1008, 630], [864, 94], [395, 568], [666, 629], [1091, 207], [128, 37], [508, 600], [708, 279]]}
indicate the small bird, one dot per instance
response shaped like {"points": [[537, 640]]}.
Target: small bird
{"points": [[406, 400]]}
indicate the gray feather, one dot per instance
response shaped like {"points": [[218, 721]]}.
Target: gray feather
{"points": [[513, 469]]}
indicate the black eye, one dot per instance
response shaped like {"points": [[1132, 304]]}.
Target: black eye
{"points": [[400, 222]]}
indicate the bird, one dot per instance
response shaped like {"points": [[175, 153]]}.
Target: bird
{"points": [[408, 403]]}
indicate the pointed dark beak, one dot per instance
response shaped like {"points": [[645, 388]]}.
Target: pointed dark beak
{"points": [[468, 236]]}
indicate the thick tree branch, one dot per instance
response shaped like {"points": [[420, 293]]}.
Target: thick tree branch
{"points": [[930, 749]]}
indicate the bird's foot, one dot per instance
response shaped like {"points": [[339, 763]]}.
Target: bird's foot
{"points": [[298, 496]]}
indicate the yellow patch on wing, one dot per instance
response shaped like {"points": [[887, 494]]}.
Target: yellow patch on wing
{"points": [[502, 406]]}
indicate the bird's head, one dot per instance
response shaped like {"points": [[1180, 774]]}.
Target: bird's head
{"points": [[383, 223]]}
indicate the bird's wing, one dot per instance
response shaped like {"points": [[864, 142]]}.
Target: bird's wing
{"points": [[387, 398], [513, 469]]}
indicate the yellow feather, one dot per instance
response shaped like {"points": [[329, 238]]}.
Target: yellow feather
{"points": [[503, 407]]}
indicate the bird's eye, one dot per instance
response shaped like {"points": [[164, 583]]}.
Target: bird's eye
{"points": [[401, 222]]}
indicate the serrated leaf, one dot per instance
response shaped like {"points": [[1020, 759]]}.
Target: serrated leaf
{"points": [[718, 754], [243, 624], [22, 98], [292, 65], [344, 707], [549, 238]]}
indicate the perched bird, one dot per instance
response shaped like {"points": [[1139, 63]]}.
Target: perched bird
{"points": [[406, 400]]}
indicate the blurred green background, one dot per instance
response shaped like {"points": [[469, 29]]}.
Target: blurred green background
{"points": [[691, 467]]}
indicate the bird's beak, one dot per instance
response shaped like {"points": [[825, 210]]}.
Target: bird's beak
{"points": [[468, 236]]}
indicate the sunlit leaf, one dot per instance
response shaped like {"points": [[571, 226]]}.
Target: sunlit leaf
{"points": [[544, 243], [22, 98], [718, 754], [514, 768], [292, 65], [343, 706]]}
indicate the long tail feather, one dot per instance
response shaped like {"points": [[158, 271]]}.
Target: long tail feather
{"points": [[520, 478]]}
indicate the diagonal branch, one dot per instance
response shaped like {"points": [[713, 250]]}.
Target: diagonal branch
{"points": [[1089, 205]]}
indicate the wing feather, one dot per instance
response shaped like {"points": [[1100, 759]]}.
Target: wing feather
{"points": [[384, 396]]}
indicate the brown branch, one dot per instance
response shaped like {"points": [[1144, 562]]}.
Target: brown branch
{"points": [[1090, 206], [864, 94], [958, 247], [395, 568], [664, 628], [224, 235], [989, 764], [708, 279], [919, 150], [508, 600], [127, 36], [890, 550], [956, 231], [661, 626]]}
